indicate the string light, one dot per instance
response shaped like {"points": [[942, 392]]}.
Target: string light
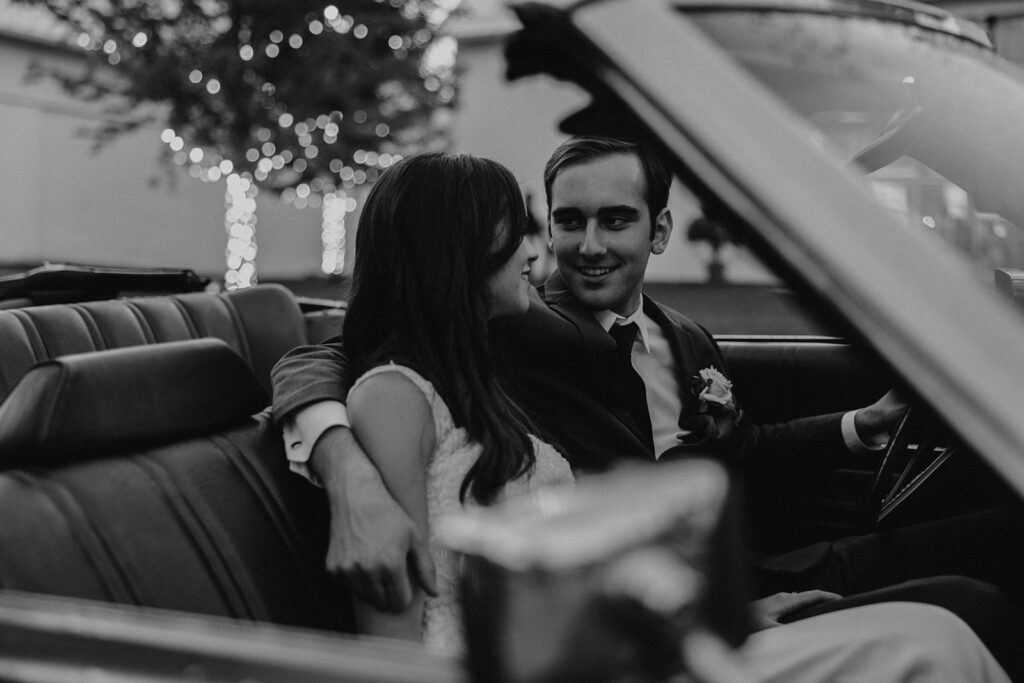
{"points": [[240, 224], [336, 206], [233, 124], [268, 155]]}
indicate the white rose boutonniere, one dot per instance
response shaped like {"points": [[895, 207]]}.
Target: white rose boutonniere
{"points": [[714, 427], [713, 389]]}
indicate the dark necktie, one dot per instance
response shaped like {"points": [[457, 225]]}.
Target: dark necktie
{"points": [[636, 392]]}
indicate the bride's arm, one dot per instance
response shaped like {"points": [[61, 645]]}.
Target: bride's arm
{"points": [[391, 418]]}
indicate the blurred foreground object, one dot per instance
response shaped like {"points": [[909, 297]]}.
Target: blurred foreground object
{"points": [[604, 581]]}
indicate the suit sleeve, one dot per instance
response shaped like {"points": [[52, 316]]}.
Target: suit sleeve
{"points": [[797, 452], [309, 374]]}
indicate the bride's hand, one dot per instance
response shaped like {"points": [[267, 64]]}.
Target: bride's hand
{"points": [[767, 611]]}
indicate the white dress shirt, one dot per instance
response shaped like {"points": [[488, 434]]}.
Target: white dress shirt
{"points": [[302, 430]]}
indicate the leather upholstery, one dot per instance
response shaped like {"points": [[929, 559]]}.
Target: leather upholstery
{"points": [[259, 323], [214, 525], [781, 379], [107, 401], [211, 521]]}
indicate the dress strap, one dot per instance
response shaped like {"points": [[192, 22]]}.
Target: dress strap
{"points": [[443, 422]]}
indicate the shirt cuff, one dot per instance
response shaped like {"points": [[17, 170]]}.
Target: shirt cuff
{"points": [[303, 429], [853, 440]]}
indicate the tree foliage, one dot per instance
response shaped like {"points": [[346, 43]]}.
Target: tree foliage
{"points": [[292, 92]]}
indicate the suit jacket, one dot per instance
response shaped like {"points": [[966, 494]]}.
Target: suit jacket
{"points": [[563, 370]]}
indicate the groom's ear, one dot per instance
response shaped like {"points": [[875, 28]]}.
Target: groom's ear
{"points": [[662, 231]]}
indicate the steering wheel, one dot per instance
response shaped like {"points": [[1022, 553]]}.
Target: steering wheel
{"points": [[916, 450]]}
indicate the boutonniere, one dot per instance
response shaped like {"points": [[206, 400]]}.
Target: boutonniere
{"points": [[713, 389]]}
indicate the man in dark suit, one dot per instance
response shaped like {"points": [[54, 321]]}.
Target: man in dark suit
{"points": [[659, 391]]}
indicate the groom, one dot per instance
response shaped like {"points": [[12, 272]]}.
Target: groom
{"points": [[606, 371]]}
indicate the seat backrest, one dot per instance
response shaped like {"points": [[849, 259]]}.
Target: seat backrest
{"points": [[138, 499], [260, 323], [779, 379]]}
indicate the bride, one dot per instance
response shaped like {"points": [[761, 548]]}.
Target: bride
{"points": [[440, 250]]}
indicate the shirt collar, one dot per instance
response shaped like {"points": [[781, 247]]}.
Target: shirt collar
{"points": [[608, 318]]}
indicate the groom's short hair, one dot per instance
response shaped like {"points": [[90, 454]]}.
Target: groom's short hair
{"points": [[580, 150]]}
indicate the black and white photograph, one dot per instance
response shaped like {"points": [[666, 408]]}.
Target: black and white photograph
{"points": [[528, 341]]}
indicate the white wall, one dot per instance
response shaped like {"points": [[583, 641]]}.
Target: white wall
{"points": [[60, 201]]}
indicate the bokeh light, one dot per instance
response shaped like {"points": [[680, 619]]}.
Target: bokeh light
{"points": [[240, 225]]}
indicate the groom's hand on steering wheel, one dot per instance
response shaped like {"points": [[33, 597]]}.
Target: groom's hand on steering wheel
{"points": [[881, 417], [374, 545]]}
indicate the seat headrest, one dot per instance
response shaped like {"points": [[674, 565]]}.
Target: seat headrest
{"points": [[91, 404]]}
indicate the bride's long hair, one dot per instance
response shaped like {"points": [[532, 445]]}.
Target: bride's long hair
{"points": [[433, 229]]}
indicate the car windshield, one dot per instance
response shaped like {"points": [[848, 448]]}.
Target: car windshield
{"points": [[931, 118]]}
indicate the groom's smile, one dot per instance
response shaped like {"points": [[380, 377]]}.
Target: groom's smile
{"points": [[601, 231]]}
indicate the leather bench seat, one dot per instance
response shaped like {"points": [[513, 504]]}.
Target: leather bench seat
{"points": [[778, 379], [259, 323], [159, 502]]}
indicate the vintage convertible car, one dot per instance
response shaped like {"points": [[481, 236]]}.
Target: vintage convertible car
{"points": [[867, 151]]}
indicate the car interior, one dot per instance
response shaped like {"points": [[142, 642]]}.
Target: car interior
{"points": [[134, 439], [140, 465]]}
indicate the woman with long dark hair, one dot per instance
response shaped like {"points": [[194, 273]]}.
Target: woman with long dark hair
{"points": [[440, 251]]}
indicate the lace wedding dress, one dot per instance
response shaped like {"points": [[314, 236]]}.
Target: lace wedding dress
{"points": [[454, 453]]}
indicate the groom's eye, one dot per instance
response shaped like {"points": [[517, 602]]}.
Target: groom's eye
{"points": [[619, 217], [568, 220], [616, 222]]}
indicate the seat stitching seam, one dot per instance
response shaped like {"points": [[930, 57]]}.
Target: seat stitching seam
{"points": [[39, 350], [96, 336], [209, 553], [275, 508], [186, 317], [144, 326], [108, 570], [240, 329]]}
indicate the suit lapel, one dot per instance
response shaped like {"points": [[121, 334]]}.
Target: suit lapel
{"points": [[683, 352], [598, 355], [597, 343]]}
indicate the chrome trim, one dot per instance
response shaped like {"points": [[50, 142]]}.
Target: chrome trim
{"points": [[51, 638], [924, 16]]}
